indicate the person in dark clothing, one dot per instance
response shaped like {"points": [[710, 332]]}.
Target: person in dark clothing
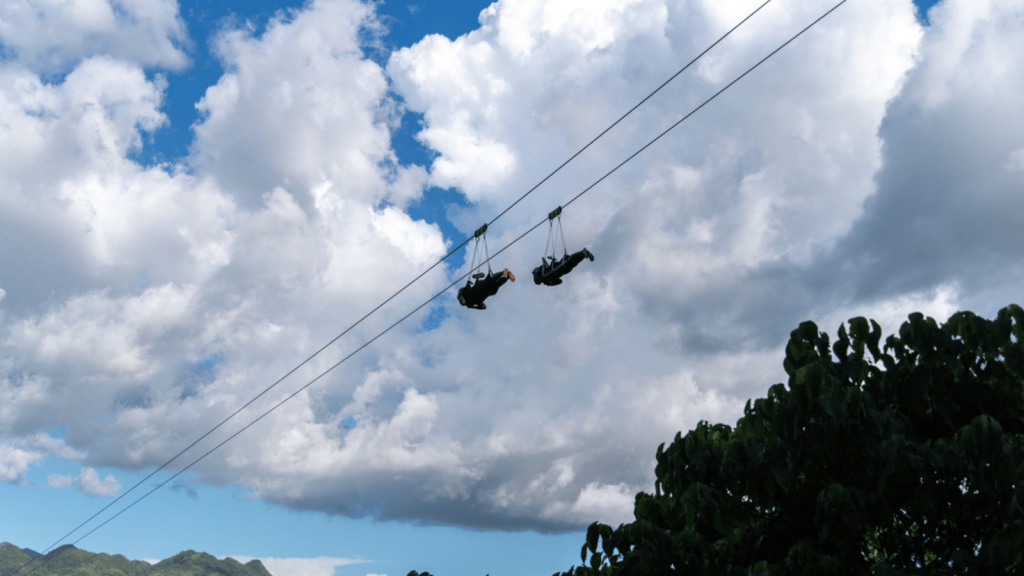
{"points": [[473, 294], [550, 273]]}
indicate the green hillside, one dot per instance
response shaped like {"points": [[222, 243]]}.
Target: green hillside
{"points": [[70, 561]]}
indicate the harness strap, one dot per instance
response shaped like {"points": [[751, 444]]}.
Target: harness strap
{"points": [[473, 266], [486, 253], [552, 242], [565, 249]]}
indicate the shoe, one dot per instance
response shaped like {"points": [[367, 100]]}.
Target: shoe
{"points": [[462, 299], [481, 306], [588, 254], [510, 275]]}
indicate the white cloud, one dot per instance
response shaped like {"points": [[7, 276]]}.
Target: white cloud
{"points": [[95, 333], [50, 35], [329, 126], [939, 303], [15, 461], [59, 481], [608, 504], [88, 482], [944, 213], [77, 213], [17, 455], [319, 566], [135, 291]]}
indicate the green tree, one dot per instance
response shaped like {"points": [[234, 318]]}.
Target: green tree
{"points": [[902, 459]]}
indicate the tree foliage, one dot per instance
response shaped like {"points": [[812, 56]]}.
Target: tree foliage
{"points": [[902, 458]]}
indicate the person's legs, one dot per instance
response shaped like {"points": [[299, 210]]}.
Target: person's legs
{"points": [[569, 262]]}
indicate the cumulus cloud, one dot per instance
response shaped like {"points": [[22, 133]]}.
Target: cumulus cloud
{"points": [[87, 482], [329, 129], [870, 168], [599, 503], [78, 215], [51, 35], [140, 301], [19, 454], [944, 211], [14, 462], [132, 291]]}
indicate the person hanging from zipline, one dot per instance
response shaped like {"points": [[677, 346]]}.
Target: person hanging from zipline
{"points": [[550, 273], [552, 269], [473, 294]]}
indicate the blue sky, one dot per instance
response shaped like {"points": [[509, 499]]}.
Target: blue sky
{"points": [[224, 521], [156, 272]]}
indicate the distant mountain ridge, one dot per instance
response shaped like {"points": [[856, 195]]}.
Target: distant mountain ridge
{"points": [[70, 561]]}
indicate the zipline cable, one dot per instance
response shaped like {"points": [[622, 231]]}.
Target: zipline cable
{"points": [[534, 227], [413, 281]]}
